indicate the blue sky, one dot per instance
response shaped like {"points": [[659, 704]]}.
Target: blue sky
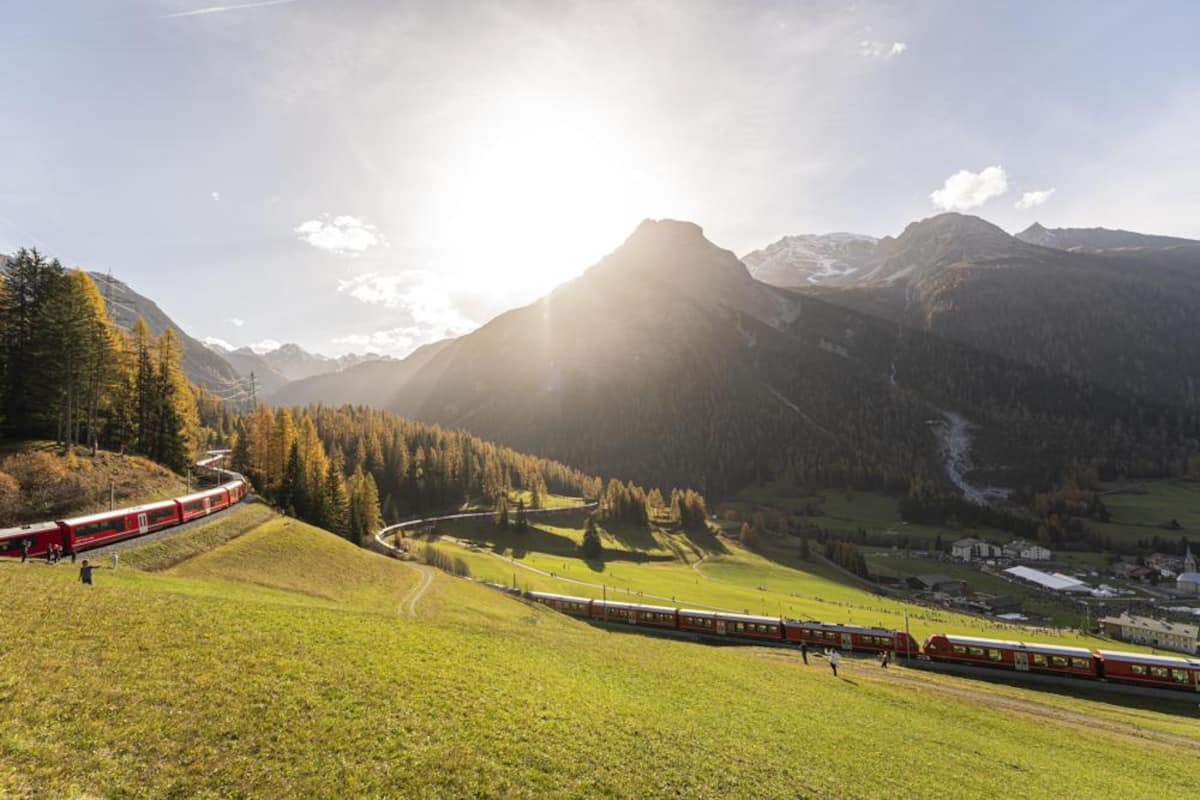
{"points": [[373, 175]]}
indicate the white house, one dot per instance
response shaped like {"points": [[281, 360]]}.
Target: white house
{"points": [[1026, 551], [969, 549], [1153, 632], [1188, 583]]}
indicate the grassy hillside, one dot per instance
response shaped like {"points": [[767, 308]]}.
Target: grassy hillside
{"points": [[288, 663], [47, 484], [658, 567]]}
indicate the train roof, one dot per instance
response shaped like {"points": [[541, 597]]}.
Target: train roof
{"points": [[633, 606], [187, 498], [117, 512], [25, 530], [1053, 649], [833, 626], [552, 596], [1146, 658], [727, 615]]}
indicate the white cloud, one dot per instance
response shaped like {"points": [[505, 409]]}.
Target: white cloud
{"points": [[237, 323], [265, 346], [344, 235], [217, 344], [1031, 199], [965, 190], [873, 49], [395, 340], [423, 296]]}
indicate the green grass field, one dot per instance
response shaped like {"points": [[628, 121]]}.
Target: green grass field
{"points": [[287, 663], [658, 567]]}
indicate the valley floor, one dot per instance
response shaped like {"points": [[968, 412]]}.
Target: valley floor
{"points": [[286, 662]]}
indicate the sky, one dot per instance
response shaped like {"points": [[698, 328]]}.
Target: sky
{"points": [[357, 175]]}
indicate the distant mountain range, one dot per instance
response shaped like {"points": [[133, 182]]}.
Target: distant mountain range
{"points": [[669, 362], [952, 350]]}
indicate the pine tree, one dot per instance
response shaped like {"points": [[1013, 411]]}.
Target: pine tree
{"points": [[522, 517], [178, 420], [592, 547], [501, 510], [33, 376], [336, 508]]}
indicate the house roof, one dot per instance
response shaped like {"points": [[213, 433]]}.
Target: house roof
{"points": [[1156, 625], [1056, 580], [1189, 577]]}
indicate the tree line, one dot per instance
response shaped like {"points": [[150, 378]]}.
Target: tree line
{"points": [[69, 374]]}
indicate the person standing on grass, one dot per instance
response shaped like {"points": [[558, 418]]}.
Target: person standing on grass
{"points": [[24, 550], [884, 658], [85, 573], [804, 651], [834, 659]]}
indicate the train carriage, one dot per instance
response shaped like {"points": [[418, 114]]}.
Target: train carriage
{"points": [[740, 626], [202, 504], [634, 614], [94, 530], [38, 536], [850, 637], [236, 490], [1019, 656], [1169, 672], [575, 606]]}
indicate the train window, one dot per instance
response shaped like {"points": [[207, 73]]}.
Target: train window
{"points": [[1158, 672], [115, 525], [1058, 661], [1039, 660], [1137, 669], [995, 655], [741, 626], [1081, 663], [160, 514], [958, 648], [1180, 675], [975, 651]]}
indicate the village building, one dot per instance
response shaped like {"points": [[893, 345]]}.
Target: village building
{"points": [[970, 549], [1188, 583], [1054, 581], [937, 583], [1175, 636], [1025, 550]]}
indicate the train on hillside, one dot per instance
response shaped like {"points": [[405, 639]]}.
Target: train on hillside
{"points": [[78, 534], [1164, 672]]}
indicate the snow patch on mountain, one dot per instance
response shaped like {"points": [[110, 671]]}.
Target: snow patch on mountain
{"points": [[810, 259]]}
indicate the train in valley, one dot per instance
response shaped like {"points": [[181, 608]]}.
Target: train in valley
{"points": [[78, 534], [1141, 669]]}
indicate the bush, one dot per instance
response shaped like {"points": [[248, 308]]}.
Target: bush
{"points": [[10, 496]]}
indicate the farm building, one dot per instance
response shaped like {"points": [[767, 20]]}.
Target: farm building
{"points": [[1153, 632], [937, 583], [969, 549], [1026, 551], [1055, 581]]}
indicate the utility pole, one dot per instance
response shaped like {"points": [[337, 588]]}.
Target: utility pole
{"points": [[112, 491], [189, 480]]}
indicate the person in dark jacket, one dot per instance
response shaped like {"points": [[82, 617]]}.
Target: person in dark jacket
{"points": [[804, 651], [85, 573], [24, 550]]}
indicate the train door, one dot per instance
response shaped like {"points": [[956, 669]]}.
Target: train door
{"points": [[1021, 661], [207, 505], [847, 642], [143, 523], [721, 627]]}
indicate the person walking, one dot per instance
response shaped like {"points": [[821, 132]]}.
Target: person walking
{"points": [[85, 572], [884, 658], [804, 651], [24, 550], [835, 658]]}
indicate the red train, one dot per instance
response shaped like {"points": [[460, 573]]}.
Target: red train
{"points": [[1168, 672], [94, 530]]}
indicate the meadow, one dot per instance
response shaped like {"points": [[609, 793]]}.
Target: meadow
{"points": [[286, 662]]}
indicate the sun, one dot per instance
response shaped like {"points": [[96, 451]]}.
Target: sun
{"points": [[535, 195]]}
